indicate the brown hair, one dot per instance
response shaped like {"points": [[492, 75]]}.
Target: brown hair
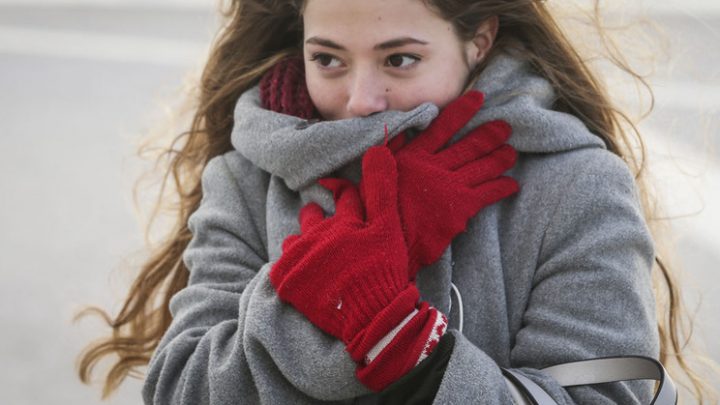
{"points": [[249, 44]]}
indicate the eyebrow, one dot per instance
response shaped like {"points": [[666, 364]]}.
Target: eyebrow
{"points": [[393, 43]]}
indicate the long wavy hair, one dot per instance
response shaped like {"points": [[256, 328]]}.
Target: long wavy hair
{"points": [[256, 35]]}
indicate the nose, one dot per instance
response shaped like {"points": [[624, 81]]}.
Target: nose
{"points": [[367, 94]]}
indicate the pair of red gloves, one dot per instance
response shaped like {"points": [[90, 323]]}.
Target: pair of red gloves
{"points": [[353, 274]]}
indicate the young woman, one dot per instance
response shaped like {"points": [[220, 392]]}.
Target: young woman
{"points": [[397, 199]]}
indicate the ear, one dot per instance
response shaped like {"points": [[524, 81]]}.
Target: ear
{"points": [[484, 38]]}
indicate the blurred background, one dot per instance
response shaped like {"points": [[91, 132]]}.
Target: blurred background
{"points": [[82, 81]]}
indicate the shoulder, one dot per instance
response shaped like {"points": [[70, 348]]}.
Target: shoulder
{"points": [[591, 200], [595, 165], [231, 173], [582, 175], [575, 194], [232, 209], [233, 190]]}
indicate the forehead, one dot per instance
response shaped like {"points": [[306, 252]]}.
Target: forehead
{"points": [[360, 21]]}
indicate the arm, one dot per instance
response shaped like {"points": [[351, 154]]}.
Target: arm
{"points": [[591, 295], [220, 347], [223, 257]]}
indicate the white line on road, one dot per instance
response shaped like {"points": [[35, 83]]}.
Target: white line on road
{"points": [[110, 4], [100, 46], [697, 7], [701, 7], [166, 52]]}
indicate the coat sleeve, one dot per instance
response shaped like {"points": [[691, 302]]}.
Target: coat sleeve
{"points": [[231, 340], [591, 296]]}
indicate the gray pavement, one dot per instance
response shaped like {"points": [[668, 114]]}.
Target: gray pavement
{"points": [[81, 82]]}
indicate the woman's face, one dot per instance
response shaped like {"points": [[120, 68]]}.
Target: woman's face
{"points": [[364, 57]]}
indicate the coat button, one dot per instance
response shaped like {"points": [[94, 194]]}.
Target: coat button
{"points": [[305, 124]]}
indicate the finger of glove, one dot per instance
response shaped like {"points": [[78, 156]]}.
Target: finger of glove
{"points": [[489, 167], [310, 215], [285, 263], [474, 145], [379, 179], [397, 143], [346, 196], [451, 119], [281, 268], [493, 191], [289, 242], [277, 275]]}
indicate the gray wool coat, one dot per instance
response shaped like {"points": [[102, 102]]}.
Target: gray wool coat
{"points": [[559, 272]]}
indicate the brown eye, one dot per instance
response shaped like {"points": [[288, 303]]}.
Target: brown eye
{"points": [[401, 60], [325, 60]]}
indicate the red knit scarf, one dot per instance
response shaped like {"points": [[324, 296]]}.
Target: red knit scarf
{"points": [[283, 89]]}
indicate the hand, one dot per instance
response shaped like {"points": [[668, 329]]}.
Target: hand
{"points": [[341, 271], [348, 274], [439, 190]]}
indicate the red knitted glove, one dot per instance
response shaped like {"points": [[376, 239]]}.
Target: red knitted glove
{"points": [[440, 190], [348, 275]]}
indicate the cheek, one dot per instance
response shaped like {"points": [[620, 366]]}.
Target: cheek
{"points": [[327, 96], [444, 93], [429, 89], [439, 84]]}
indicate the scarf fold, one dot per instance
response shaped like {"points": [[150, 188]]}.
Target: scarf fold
{"points": [[301, 151]]}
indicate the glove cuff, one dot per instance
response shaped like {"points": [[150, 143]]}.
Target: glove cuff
{"points": [[395, 355], [359, 343]]}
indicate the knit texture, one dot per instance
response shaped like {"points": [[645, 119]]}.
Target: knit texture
{"points": [[337, 271], [348, 274], [559, 272], [439, 191], [440, 188], [414, 342], [283, 89]]}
